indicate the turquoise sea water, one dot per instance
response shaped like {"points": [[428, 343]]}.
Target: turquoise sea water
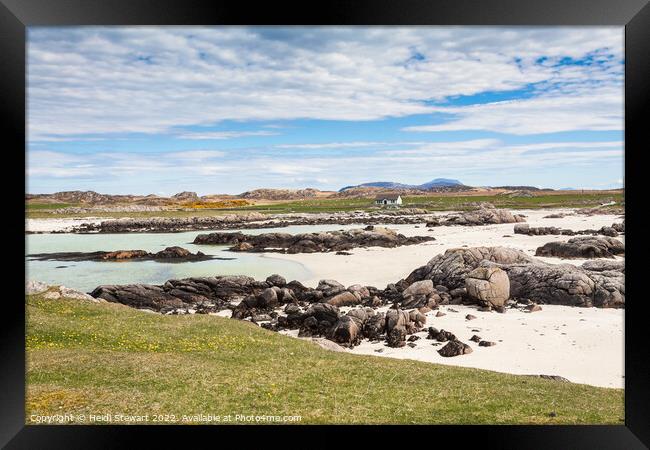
{"points": [[87, 275]]}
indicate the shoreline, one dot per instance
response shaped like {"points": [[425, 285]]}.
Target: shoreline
{"points": [[566, 341]]}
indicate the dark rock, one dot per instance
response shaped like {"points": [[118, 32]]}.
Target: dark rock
{"points": [[268, 298], [347, 331], [396, 337], [486, 344], [583, 247], [337, 241], [323, 312], [344, 299], [292, 309], [276, 280], [169, 254], [375, 326], [455, 348], [330, 288]]}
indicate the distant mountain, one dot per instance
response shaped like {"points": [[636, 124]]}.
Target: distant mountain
{"points": [[440, 182], [433, 184]]}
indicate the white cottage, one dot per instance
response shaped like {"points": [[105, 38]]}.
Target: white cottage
{"points": [[388, 199]]}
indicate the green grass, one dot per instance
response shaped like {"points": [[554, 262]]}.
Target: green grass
{"points": [[47, 206], [568, 200], [438, 202], [87, 358]]}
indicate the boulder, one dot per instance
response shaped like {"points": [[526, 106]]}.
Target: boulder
{"points": [[489, 285], [361, 290], [323, 312], [73, 293], [417, 318], [268, 298], [455, 348], [35, 287], [346, 331], [330, 288], [344, 299], [276, 280], [396, 337], [397, 318], [419, 294], [374, 326]]}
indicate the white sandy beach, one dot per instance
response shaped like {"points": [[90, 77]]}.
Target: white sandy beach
{"points": [[54, 224], [584, 345]]}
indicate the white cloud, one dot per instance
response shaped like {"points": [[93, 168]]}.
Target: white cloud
{"points": [[209, 135], [477, 161], [353, 144], [92, 80], [195, 155], [595, 110]]}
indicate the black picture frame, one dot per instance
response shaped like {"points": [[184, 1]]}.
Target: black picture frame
{"points": [[16, 15]]}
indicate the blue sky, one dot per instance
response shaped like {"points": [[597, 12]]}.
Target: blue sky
{"points": [[227, 109]]}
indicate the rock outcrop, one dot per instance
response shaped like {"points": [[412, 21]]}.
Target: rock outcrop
{"points": [[330, 241], [563, 284], [451, 268], [485, 214], [169, 254], [583, 247], [524, 228], [55, 292]]}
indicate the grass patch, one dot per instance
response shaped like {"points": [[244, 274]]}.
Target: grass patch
{"points": [[29, 206], [87, 358]]}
